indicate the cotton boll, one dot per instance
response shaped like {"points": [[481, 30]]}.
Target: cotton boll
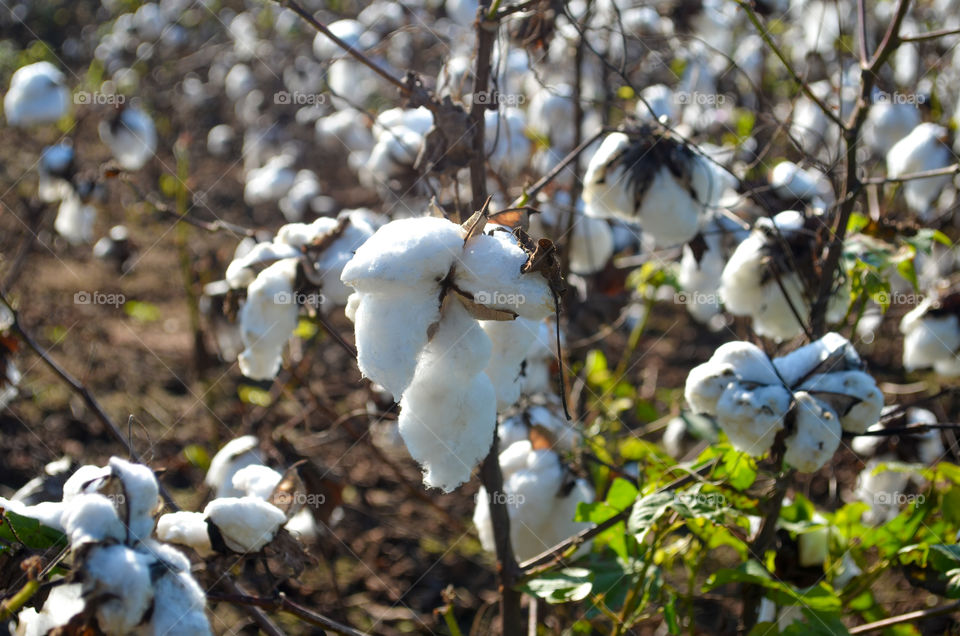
{"points": [[344, 130], [185, 528], [536, 369], [394, 120], [387, 350], [256, 481], [118, 579], [37, 95], [929, 338], [750, 362], [92, 519], [506, 144], [490, 269], [751, 418], [666, 213], [296, 201], [352, 32], [392, 157], [220, 140], [240, 273], [267, 320], [85, 480], [178, 607], [660, 98], [303, 526], [887, 123], [131, 137], [271, 182], [706, 383], [511, 341], [591, 245], [246, 523], [551, 114], [75, 219], [56, 169], [141, 492], [795, 184], [854, 394], [328, 266], [701, 280], [810, 358], [816, 434], [881, 490], [605, 190], [923, 149], [62, 604], [238, 82], [235, 454]]}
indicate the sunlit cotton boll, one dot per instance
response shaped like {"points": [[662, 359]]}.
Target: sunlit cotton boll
{"points": [[923, 149], [541, 497], [235, 455], [506, 144], [37, 95], [267, 319], [270, 182], [887, 123], [591, 245], [186, 528], [117, 580], [63, 603], [246, 523], [296, 201], [511, 339], [75, 219], [131, 137], [751, 418], [931, 339]]}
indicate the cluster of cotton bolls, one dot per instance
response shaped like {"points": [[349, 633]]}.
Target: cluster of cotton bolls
{"points": [[248, 510], [768, 277], [815, 393], [128, 581], [886, 490], [274, 273], [449, 370]]}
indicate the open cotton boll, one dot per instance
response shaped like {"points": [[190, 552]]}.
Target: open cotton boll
{"points": [[795, 184], [85, 480], [240, 272], [330, 263], [303, 526], [37, 95], [448, 413], [296, 201], [551, 114], [267, 320], [408, 251], [923, 149], [141, 493], [131, 137], [887, 123], [392, 157], [246, 523], [490, 269], [185, 528], [256, 480], [62, 604], [751, 418], [931, 337], [48, 513], [658, 98], [55, 170], [75, 219], [511, 341], [344, 130], [701, 279], [270, 182], [352, 32], [591, 245], [853, 394], [816, 434], [605, 190], [117, 579], [810, 358], [749, 360], [91, 519], [235, 454], [706, 383]]}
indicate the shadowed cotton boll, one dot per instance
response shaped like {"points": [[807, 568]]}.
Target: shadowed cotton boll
{"points": [[267, 319], [131, 137], [511, 340], [186, 528], [37, 95], [923, 149], [56, 170], [63, 603], [269, 183], [701, 267], [120, 578], [221, 140], [542, 498], [235, 454], [816, 434], [661, 184], [887, 123], [931, 337]]}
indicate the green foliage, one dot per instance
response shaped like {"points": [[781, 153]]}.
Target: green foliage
{"points": [[16, 529]]}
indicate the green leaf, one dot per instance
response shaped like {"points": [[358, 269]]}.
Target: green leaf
{"points": [[857, 222], [197, 456], [908, 271], [622, 494], [566, 585], [15, 528], [253, 395], [647, 511], [141, 311]]}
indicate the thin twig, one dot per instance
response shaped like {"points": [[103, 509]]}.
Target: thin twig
{"points": [[937, 172], [930, 35], [531, 192], [284, 604], [909, 617]]}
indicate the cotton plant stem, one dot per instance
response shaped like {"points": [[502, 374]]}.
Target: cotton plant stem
{"points": [[909, 617], [284, 604]]}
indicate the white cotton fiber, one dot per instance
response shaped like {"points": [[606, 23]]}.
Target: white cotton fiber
{"points": [[141, 492], [852, 394], [267, 320], [883, 491], [751, 418], [185, 528], [536, 369], [256, 481], [591, 245], [234, 455], [810, 358], [92, 519], [119, 578], [607, 192], [75, 220], [240, 271], [816, 435], [511, 341], [86, 479], [667, 211], [246, 523], [491, 270], [48, 513], [706, 383], [63, 603], [930, 341], [749, 360]]}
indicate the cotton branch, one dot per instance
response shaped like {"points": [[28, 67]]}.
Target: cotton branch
{"points": [[284, 604]]}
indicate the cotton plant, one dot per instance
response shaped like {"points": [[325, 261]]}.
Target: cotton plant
{"points": [[302, 256], [813, 394], [662, 184], [931, 336], [542, 496], [425, 287], [37, 95], [769, 278], [885, 488], [123, 578]]}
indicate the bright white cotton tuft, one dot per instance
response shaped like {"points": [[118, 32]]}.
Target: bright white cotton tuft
{"points": [[118, 578], [37, 95], [235, 454], [246, 523], [267, 320], [816, 434], [185, 528]]}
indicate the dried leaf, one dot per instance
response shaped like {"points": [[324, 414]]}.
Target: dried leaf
{"points": [[482, 312], [474, 225], [541, 437], [290, 494]]}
